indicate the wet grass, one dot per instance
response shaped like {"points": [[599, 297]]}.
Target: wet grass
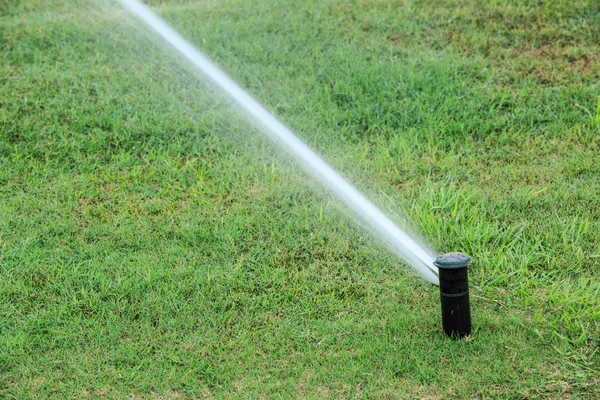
{"points": [[152, 246]]}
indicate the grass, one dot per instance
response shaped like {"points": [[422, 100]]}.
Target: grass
{"points": [[151, 246]]}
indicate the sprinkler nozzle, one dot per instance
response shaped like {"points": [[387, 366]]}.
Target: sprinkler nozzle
{"points": [[454, 294]]}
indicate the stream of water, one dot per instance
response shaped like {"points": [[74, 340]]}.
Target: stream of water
{"points": [[414, 254]]}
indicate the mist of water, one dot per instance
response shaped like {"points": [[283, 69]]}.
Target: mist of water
{"points": [[415, 255]]}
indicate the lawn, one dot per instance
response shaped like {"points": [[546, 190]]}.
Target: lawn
{"points": [[153, 244]]}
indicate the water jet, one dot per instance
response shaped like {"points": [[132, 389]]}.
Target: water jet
{"points": [[454, 294], [400, 242]]}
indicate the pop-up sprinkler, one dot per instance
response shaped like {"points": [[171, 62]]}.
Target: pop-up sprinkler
{"points": [[454, 294]]}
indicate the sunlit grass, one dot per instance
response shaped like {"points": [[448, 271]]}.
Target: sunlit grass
{"points": [[152, 244]]}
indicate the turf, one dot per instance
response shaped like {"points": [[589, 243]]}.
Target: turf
{"points": [[153, 245]]}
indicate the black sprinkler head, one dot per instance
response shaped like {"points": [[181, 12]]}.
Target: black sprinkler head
{"points": [[454, 294]]}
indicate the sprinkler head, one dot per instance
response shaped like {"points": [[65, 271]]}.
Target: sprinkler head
{"points": [[454, 294]]}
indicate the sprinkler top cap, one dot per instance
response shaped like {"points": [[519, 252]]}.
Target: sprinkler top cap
{"points": [[453, 260]]}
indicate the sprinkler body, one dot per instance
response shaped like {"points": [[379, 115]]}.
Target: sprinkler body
{"points": [[454, 294]]}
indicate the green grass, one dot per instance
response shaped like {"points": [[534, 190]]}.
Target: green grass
{"points": [[152, 246]]}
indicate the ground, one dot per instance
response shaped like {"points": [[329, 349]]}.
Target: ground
{"points": [[154, 245]]}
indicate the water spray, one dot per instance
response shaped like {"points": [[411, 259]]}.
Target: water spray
{"points": [[417, 256], [454, 294]]}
